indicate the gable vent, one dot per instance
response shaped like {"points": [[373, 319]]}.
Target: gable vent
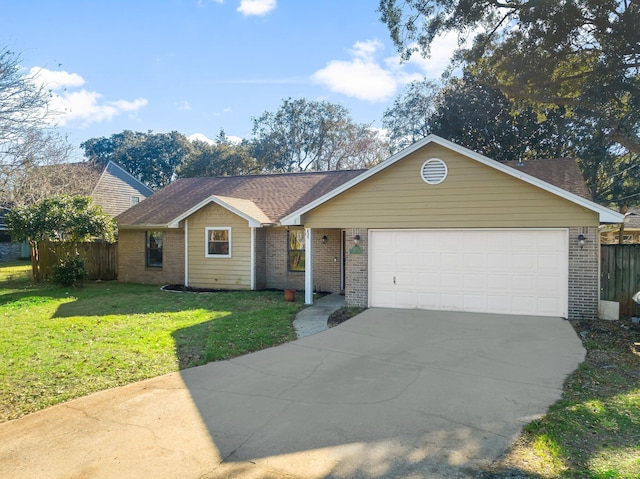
{"points": [[434, 171]]}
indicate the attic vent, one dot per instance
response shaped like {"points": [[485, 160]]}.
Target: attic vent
{"points": [[434, 171]]}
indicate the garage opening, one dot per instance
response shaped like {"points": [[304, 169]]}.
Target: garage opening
{"points": [[509, 271]]}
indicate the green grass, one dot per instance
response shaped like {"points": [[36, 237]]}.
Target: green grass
{"points": [[593, 431], [57, 344]]}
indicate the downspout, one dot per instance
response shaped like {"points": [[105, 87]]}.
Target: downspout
{"points": [[186, 252]]}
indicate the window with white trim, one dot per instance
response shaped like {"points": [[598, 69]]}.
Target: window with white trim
{"points": [[218, 242]]}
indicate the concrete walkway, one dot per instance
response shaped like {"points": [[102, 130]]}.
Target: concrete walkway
{"points": [[387, 394], [313, 319]]}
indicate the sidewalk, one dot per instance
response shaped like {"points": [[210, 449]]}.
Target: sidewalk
{"points": [[313, 319]]}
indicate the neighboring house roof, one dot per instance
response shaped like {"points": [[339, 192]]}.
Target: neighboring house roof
{"points": [[561, 172], [116, 171], [605, 214], [267, 198]]}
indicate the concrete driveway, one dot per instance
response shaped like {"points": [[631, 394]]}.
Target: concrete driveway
{"points": [[390, 393]]}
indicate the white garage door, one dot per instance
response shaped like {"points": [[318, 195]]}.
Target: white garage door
{"points": [[492, 271]]}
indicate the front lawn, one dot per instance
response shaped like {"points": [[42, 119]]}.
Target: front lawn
{"points": [[57, 344]]}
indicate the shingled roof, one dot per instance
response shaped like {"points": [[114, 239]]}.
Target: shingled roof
{"points": [[276, 195], [561, 172]]}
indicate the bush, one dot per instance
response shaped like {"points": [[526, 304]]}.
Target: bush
{"points": [[69, 272]]}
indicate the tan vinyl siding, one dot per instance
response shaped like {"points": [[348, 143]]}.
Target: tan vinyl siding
{"points": [[224, 273], [472, 196]]}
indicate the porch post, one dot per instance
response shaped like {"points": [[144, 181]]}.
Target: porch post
{"points": [[186, 252], [308, 266], [253, 258]]}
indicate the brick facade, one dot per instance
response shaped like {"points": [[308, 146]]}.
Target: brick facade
{"points": [[131, 258], [584, 273], [357, 266], [326, 261], [261, 258]]}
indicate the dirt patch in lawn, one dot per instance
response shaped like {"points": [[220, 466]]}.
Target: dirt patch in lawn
{"points": [[343, 314]]}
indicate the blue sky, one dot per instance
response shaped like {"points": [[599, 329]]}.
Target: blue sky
{"points": [[197, 66]]}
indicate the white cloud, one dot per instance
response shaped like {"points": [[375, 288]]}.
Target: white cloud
{"points": [[234, 140], [369, 79], [363, 77], [183, 105], [201, 137], [67, 104], [55, 80], [256, 7], [357, 78]]}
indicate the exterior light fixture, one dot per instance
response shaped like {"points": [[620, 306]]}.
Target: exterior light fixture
{"points": [[356, 239], [324, 239], [581, 240]]}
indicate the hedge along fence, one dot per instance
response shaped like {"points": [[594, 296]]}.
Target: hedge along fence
{"points": [[100, 258]]}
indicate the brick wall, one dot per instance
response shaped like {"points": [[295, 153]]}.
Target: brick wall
{"points": [[584, 271], [131, 258], [326, 260], [261, 258], [357, 275], [278, 275]]}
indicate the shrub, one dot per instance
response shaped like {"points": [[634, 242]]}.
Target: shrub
{"points": [[70, 272]]}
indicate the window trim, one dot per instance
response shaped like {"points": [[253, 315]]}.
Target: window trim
{"points": [[134, 200], [147, 249], [289, 250], [206, 241]]}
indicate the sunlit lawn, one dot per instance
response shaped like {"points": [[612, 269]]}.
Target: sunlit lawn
{"points": [[57, 344]]}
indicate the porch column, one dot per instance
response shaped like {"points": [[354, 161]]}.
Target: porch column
{"points": [[308, 266]]}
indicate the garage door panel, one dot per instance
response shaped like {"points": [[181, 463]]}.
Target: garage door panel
{"points": [[475, 262], [474, 302], [474, 282], [451, 302], [428, 261], [502, 271], [406, 299]]}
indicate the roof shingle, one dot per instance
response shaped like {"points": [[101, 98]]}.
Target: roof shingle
{"points": [[561, 172], [276, 195]]}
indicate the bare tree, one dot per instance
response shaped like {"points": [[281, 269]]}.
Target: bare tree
{"points": [[33, 157]]}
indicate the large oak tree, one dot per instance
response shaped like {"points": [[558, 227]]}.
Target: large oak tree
{"points": [[582, 55]]}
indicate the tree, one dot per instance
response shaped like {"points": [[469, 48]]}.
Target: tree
{"points": [[409, 119], [220, 159], [313, 135], [63, 219], [475, 116], [39, 168], [23, 104], [582, 55], [153, 158], [27, 143]]}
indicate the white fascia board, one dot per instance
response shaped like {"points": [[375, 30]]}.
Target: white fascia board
{"points": [[142, 227], [606, 215], [254, 223]]}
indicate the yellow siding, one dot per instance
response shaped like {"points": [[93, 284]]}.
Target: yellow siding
{"points": [[472, 196], [224, 273]]}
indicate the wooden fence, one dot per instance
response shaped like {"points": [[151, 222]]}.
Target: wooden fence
{"points": [[620, 275], [100, 259]]}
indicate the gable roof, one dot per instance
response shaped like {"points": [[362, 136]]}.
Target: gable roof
{"points": [[267, 198], [605, 214], [120, 173]]}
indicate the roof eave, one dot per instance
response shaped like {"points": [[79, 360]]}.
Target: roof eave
{"points": [[605, 215], [253, 222]]}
